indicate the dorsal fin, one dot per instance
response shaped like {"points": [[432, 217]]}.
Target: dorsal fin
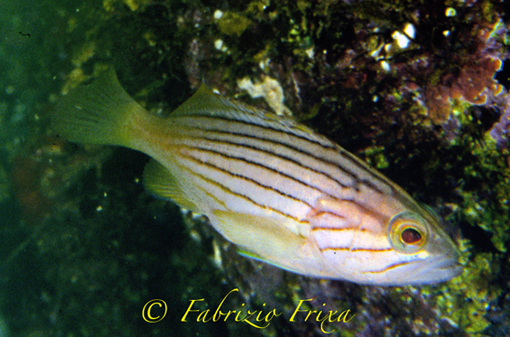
{"points": [[205, 103]]}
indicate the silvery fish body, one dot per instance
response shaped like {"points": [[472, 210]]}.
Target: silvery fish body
{"points": [[279, 191]]}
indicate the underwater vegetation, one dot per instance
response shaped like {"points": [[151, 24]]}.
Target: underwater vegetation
{"points": [[418, 89]]}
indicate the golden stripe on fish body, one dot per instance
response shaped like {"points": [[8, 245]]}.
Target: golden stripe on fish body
{"points": [[279, 191]]}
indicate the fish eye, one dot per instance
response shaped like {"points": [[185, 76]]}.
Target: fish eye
{"points": [[410, 236], [408, 232]]}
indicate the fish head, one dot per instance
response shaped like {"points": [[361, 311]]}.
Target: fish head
{"points": [[388, 242], [422, 253]]}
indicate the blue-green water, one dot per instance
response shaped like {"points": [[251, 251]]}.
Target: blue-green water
{"points": [[83, 248]]}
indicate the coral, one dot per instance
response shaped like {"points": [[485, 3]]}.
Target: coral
{"points": [[270, 90], [471, 82], [500, 132]]}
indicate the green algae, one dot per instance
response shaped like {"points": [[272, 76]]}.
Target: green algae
{"points": [[466, 299], [5, 187], [375, 157], [490, 210], [233, 23]]}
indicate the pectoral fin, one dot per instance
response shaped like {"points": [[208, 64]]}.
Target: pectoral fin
{"points": [[328, 212]]}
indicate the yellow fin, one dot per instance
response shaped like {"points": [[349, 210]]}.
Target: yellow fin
{"points": [[260, 238], [97, 113], [204, 101], [158, 180]]}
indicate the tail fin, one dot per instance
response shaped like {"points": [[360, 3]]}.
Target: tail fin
{"points": [[99, 113]]}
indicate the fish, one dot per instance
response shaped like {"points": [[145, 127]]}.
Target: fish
{"points": [[281, 192]]}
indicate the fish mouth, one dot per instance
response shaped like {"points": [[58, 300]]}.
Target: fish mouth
{"points": [[447, 263], [421, 272], [437, 270]]}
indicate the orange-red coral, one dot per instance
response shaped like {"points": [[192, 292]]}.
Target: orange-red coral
{"points": [[472, 84], [473, 79]]}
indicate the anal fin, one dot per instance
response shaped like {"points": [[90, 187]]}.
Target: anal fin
{"points": [[158, 180]]}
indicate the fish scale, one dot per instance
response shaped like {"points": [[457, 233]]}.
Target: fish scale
{"points": [[297, 140], [281, 192], [301, 165]]}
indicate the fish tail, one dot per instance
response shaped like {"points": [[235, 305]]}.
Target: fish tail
{"points": [[100, 113]]}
